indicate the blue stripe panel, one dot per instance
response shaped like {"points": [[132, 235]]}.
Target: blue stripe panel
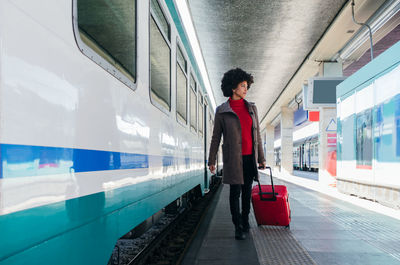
{"points": [[386, 130], [25, 160]]}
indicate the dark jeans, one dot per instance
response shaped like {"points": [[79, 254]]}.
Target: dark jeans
{"points": [[235, 190]]}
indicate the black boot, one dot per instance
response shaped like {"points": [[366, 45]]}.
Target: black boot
{"points": [[239, 235]]}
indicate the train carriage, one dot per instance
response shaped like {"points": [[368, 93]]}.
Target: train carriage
{"points": [[103, 124]]}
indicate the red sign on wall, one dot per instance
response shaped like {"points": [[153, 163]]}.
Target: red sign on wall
{"points": [[313, 115]]}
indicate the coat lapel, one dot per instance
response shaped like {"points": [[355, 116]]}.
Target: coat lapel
{"points": [[225, 107]]}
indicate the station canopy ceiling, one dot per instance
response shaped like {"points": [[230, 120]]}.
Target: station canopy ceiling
{"points": [[269, 39]]}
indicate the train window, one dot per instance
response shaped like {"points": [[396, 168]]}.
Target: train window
{"points": [[193, 83], [181, 87], [364, 139], [107, 35], [162, 22], [193, 103], [160, 58], [180, 58], [201, 115]]}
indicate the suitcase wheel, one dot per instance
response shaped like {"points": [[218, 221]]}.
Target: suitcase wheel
{"points": [[288, 226]]}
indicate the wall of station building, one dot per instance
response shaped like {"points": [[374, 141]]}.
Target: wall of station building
{"points": [[368, 115]]}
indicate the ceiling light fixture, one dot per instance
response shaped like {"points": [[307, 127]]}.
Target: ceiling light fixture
{"points": [[194, 43]]}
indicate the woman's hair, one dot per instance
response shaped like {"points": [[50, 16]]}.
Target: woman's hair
{"points": [[232, 78]]}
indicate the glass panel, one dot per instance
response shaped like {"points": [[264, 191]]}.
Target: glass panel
{"points": [[181, 59], [162, 21], [364, 139], [339, 140], [109, 28], [397, 124], [160, 56], [193, 109], [348, 144], [181, 93], [387, 129]]}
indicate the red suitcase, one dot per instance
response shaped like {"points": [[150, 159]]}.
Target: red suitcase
{"points": [[271, 204]]}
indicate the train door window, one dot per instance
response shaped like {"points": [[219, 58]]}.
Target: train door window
{"points": [[193, 103], [181, 86], [160, 58], [364, 139], [107, 35], [201, 115]]}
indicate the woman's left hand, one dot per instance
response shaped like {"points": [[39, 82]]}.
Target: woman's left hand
{"points": [[262, 165]]}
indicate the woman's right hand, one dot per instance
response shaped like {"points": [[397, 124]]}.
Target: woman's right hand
{"points": [[212, 168]]}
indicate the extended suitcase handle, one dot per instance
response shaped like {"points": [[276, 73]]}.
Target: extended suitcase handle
{"points": [[267, 193]]}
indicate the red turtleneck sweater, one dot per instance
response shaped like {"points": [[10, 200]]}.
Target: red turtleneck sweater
{"points": [[239, 107]]}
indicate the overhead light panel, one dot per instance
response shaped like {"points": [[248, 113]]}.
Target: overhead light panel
{"points": [[194, 43]]}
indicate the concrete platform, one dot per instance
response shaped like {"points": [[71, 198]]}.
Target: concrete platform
{"points": [[324, 230]]}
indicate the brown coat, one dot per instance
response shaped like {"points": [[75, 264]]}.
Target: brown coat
{"points": [[227, 124]]}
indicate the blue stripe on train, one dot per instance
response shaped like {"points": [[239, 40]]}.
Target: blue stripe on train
{"points": [[26, 160]]}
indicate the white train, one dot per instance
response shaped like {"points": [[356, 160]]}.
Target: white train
{"points": [[305, 154], [104, 121]]}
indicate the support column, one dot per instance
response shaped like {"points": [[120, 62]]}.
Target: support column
{"points": [[327, 145], [287, 140], [327, 130], [269, 156]]}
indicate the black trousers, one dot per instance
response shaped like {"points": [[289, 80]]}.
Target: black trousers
{"points": [[249, 172]]}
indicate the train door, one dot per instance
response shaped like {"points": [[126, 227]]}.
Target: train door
{"points": [[304, 156], [205, 139], [298, 157], [301, 157]]}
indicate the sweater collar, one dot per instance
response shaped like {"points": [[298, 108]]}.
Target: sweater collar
{"points": [[225, 107], [236, 103]]}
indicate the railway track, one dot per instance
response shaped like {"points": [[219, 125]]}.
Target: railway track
{"points": [[166, 242]]}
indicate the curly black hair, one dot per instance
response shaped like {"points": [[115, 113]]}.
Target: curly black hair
{"points": [[232, 78]]}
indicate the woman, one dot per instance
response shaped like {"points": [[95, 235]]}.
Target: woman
{"points": [[237, 121]]}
